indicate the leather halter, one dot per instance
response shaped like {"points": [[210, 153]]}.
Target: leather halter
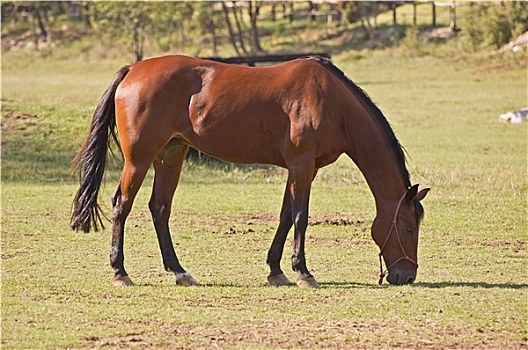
{"points": [[394, 227]]}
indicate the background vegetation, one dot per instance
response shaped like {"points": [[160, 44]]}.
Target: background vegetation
{"points": [[442, 95], [102, 29]]}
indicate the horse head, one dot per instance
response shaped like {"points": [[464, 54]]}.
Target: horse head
{"points": [[395, 230]]}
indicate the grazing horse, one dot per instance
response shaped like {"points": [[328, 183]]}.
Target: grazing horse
{"points": [[300, 115]]}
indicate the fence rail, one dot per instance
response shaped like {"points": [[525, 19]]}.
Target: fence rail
{"points": [[252, 60]]}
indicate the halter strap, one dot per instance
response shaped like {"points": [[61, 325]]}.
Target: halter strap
{"points": [[394, 227]]}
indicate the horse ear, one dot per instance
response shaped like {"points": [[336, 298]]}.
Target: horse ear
{"points": [[421, 195], [411, 193]]}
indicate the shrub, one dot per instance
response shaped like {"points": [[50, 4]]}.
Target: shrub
{"points": [[494, 25], [411, 42]]}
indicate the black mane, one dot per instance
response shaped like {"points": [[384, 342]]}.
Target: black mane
{"points": [[393, 142]]}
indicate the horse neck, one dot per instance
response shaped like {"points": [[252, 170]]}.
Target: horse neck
{"points": [[376, 160]]}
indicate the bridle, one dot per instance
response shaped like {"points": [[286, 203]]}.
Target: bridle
{"points": [[394, 227]]}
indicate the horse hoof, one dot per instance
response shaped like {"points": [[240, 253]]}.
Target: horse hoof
{"points": [[185, 279], [308, 282], [278, 280], [122, 281]]}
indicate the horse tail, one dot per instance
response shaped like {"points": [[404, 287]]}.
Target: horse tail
{"points": [[91, 159]]}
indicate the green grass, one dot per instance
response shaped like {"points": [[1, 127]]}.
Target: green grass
{"points": [[471, 285]]}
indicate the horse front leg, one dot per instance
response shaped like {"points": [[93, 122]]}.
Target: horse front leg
{"points": [[167, 174], [300, 180]]}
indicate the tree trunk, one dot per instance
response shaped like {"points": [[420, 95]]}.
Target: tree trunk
{"points": [[366, 16], [212, 28], [240, 31], [311, 11], [85, 14], [14, 16], [36, 14], [253, 11], [232, 37], [137, 40], [183, 35]]}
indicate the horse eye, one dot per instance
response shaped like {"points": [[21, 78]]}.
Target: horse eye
{"points": [[409, 230]]}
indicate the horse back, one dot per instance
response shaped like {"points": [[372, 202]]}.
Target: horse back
{"points": [[235, 113]]}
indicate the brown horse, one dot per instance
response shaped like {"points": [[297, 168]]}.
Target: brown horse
{"points": [[300, 115]]}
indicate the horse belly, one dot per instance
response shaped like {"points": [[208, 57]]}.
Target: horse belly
{"points": [[235, 133]]}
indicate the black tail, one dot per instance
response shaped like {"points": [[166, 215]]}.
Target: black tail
{"points": [[92, 160]]}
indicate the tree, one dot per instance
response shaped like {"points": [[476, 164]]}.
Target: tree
{"points": [[232, 35], [253, 11], [37, 12], [208, 18], [238, 15], [494, 25], [132, 23], [124, 22]]}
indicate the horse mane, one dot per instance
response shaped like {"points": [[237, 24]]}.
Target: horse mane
{"points": [[395, 145]]}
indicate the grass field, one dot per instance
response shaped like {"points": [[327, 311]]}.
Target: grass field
{"points": [[471, 289]]}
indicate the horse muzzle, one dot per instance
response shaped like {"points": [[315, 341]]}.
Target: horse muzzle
{"points": [[400, 276]]}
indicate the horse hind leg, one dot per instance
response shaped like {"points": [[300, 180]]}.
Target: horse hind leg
{"points": [[276, 276], [131, 179], [167, 169]]}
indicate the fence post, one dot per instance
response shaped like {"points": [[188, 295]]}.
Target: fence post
{"points": [[414, 13], [452, 17], [434, 14], [394, 22]]}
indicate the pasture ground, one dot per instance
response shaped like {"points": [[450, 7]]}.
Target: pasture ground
{"points": [[471, 287]]}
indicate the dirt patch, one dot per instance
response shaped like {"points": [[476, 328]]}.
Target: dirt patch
{"points": [[485, 68], [234, 223], [33, 40], [237, 231], [17, 121], [515, 245], [281, 334], [334, 220], [269, 334]]}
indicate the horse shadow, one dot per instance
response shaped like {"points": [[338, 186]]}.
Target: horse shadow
{"points": [[438, 285], [430, 285], [357, 285]]}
